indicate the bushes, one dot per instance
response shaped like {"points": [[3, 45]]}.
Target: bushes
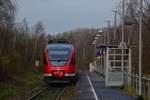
{"points": [[9, 65], [7, 91], [4, 61]]}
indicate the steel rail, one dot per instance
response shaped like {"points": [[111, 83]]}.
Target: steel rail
{"points": [[61, 93], [37, 93]]}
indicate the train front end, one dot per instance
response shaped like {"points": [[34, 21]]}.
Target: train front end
{"points": [[59, 63]]}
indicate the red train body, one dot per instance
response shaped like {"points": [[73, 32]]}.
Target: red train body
{"points": [[59, 63]]}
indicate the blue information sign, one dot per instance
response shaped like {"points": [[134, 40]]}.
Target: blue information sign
{"points": [[98, 53]]}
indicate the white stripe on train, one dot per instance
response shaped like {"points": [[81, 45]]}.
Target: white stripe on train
{"points": [[73, 74]]}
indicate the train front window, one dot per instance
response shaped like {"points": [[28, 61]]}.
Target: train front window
{"points": [[58, 56]]}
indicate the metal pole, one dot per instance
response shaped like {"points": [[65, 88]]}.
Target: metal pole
{"points": [[101, 38], [99, 55], [108, 31], [104, 38], [122, 44], [148, 89], [106, 69], [101, 52], [123, 21], [108, 23], [84, 52], [115, 22], [140, 49]]}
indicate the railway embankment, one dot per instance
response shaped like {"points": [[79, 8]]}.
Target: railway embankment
{"points": [[19, 87]]}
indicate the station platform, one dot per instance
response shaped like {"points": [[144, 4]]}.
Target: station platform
{"points": [[91, 86]]}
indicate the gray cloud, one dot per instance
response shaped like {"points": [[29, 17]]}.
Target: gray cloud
{"points": [[63, 15]]}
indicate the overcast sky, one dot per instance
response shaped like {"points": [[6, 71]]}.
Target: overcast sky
{"points": [[64, 15]]}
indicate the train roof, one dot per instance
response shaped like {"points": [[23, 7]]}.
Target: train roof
{"points": [[64, 41], [59, 45]]}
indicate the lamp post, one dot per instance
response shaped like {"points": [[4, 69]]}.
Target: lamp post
{"points": [[97, 38], [108, 23], [101, 37], [123, 21], [94, 44], [140, 48], [122, 43], [115, 22]]}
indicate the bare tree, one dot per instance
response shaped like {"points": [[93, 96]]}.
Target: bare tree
{"points": [[38, 29], [82, 40], [7, 16]]}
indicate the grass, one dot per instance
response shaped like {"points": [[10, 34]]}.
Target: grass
{"points": [[132, 92], [129, 90], [6, 90], [18, 89]]}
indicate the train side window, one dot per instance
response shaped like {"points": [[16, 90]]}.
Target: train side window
{"points": [[73, 60]]}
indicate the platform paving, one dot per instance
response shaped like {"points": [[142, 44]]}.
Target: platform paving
{"points": [[91, 86]]}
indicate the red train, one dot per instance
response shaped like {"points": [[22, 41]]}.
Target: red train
{"points": [[59, 63]]}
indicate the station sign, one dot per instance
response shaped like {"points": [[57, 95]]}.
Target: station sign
{"points": [[100, 52]]}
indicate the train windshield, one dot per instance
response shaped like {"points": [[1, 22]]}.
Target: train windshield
{"points": [[58, 55]]}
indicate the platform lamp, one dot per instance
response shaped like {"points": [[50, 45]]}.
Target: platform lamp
{"points": [[98, 38], [101, 36], [100, 49], [94, 51], [94, 43]]}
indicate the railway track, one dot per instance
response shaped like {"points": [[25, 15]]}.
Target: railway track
{"points": [[44, 90], [61, 93], [37, 93]]}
